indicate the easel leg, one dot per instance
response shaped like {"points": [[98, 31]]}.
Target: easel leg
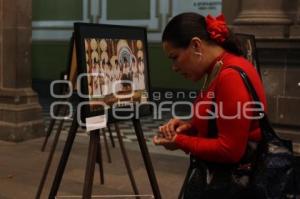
{"points": [[123, 150], [64, 159], [49, 130], [146, 157], [90, 165], [99, 160], [106, 146], [50, 157], [111, 136]]}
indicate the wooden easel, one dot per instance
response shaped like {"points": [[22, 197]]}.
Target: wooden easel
{"points": [[92, 156], [58, 109], [99, 159], [94, 150], [95, 157]]}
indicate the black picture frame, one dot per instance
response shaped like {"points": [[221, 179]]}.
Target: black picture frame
{"points": [[248, 46], [127, 45]]}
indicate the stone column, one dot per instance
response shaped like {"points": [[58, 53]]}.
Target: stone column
{"points": [[256, 14], [20, 112], [271, 21], [295, 29]]}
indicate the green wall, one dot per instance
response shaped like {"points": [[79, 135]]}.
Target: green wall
{"points": [[56, 9], [116, 9], [161, 73], [48, 59]]}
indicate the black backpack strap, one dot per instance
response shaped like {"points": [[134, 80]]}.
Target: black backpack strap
{"points": [[247, 82], [263, 120], [212, 123], [212, 130]]}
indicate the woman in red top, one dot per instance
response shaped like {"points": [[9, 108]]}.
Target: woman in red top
{"points": [[204, 47]]}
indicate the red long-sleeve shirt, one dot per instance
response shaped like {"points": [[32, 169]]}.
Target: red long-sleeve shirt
{"points": [[233, 134]]}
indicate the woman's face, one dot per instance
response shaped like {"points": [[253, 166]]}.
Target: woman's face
{"points": [[185, 61]]}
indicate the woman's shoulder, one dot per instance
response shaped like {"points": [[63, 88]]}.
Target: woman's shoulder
{"points": [[235, 60], [231, 60], [230, 77]]}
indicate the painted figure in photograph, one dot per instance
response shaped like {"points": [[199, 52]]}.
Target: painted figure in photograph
{"points": [[124, 55], [90, 86], [118, 75], [109, 77], [141, 68], [96, 87], [104, 58], [135, 74], [115, 74], [126, 75]]}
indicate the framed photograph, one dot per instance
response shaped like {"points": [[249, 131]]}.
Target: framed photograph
{"points": [[248, 46], [113, 68]]}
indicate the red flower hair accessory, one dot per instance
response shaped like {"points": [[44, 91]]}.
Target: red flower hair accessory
{"points": [[217, 28]]}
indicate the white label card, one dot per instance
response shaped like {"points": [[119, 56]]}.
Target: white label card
{"points": [[96, 122]]}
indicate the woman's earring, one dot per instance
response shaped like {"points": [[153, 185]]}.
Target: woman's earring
{"points": [[198, 53]]}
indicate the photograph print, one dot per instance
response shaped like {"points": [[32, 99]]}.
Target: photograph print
{"points": [[114, 59], [117, 69]]}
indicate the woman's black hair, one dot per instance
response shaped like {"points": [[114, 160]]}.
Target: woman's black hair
{"points": [[183, 27]]}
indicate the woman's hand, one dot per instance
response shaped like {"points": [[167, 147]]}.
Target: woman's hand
{"points": [[167, 143], [174, 126]]}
